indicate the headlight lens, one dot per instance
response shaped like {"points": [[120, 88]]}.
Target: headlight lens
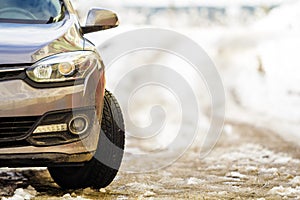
{"points": [[64, 67]]}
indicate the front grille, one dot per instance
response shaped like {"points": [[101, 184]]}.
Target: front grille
{"points": [[12, 72], [4, 76], [15, 128]]}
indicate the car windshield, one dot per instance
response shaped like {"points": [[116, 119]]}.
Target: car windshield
{"points": [[31, 11]]}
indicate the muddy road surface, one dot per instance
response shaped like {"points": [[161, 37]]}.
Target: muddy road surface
{"points": [[247, 163]]}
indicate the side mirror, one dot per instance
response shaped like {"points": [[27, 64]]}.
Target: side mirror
{"points": [[100, 19]]}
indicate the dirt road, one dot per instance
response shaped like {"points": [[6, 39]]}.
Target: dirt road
{"points": [[247, 163]]}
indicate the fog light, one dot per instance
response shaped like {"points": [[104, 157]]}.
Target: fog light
{"points": [[51, 128], [78, 124]]}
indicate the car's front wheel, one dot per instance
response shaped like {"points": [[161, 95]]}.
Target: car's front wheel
{"points": [[102, 169]]}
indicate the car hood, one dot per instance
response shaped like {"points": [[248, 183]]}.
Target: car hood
{"points": [[28, 43]]}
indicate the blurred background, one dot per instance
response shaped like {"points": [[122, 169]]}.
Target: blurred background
{"points": [[253, 43]]}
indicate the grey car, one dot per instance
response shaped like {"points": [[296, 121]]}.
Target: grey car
{"points": [[54, 109]]}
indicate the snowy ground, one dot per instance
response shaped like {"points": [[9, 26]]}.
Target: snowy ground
{"points": [[247, 163], [257, 156]]}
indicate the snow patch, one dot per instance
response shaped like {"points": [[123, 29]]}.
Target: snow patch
{"points": [[295, 181], [149, 194], [122, 198], [195, 181], [251, 168], [22, 194], [286, 191], [102, 190], [235, 175], [69, 197], [268, 170], [139, 186], [228, 129], [215, 167], [283, 17], [259, 154]]}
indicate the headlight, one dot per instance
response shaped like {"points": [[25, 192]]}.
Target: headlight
{"points": [[64, 67]]}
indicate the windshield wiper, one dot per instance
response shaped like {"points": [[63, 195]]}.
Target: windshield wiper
{"points": [[51, 19]]}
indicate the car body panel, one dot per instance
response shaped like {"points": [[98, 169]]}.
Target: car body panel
{"points": [[38, 40], [28, 101], [22, 45]]}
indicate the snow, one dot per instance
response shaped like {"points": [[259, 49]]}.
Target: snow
{"points": [[228, 129], [177, 13], [195, 181], [149, 194], [180, 3], [283, 18], [122, 198], [235, 175], [274, 91], [259, 65], [102, 190], [268, 170], [69, 197], [286, 191], [139, 186], [259, 154], [295, 181], [262, 71], [30, 193], [251, 168], [22, 194]]}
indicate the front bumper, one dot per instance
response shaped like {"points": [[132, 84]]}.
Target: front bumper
{"points": [[20, 100], [43, 156]]}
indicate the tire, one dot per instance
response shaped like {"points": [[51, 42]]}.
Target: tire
{"points": [[102, 169]]}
